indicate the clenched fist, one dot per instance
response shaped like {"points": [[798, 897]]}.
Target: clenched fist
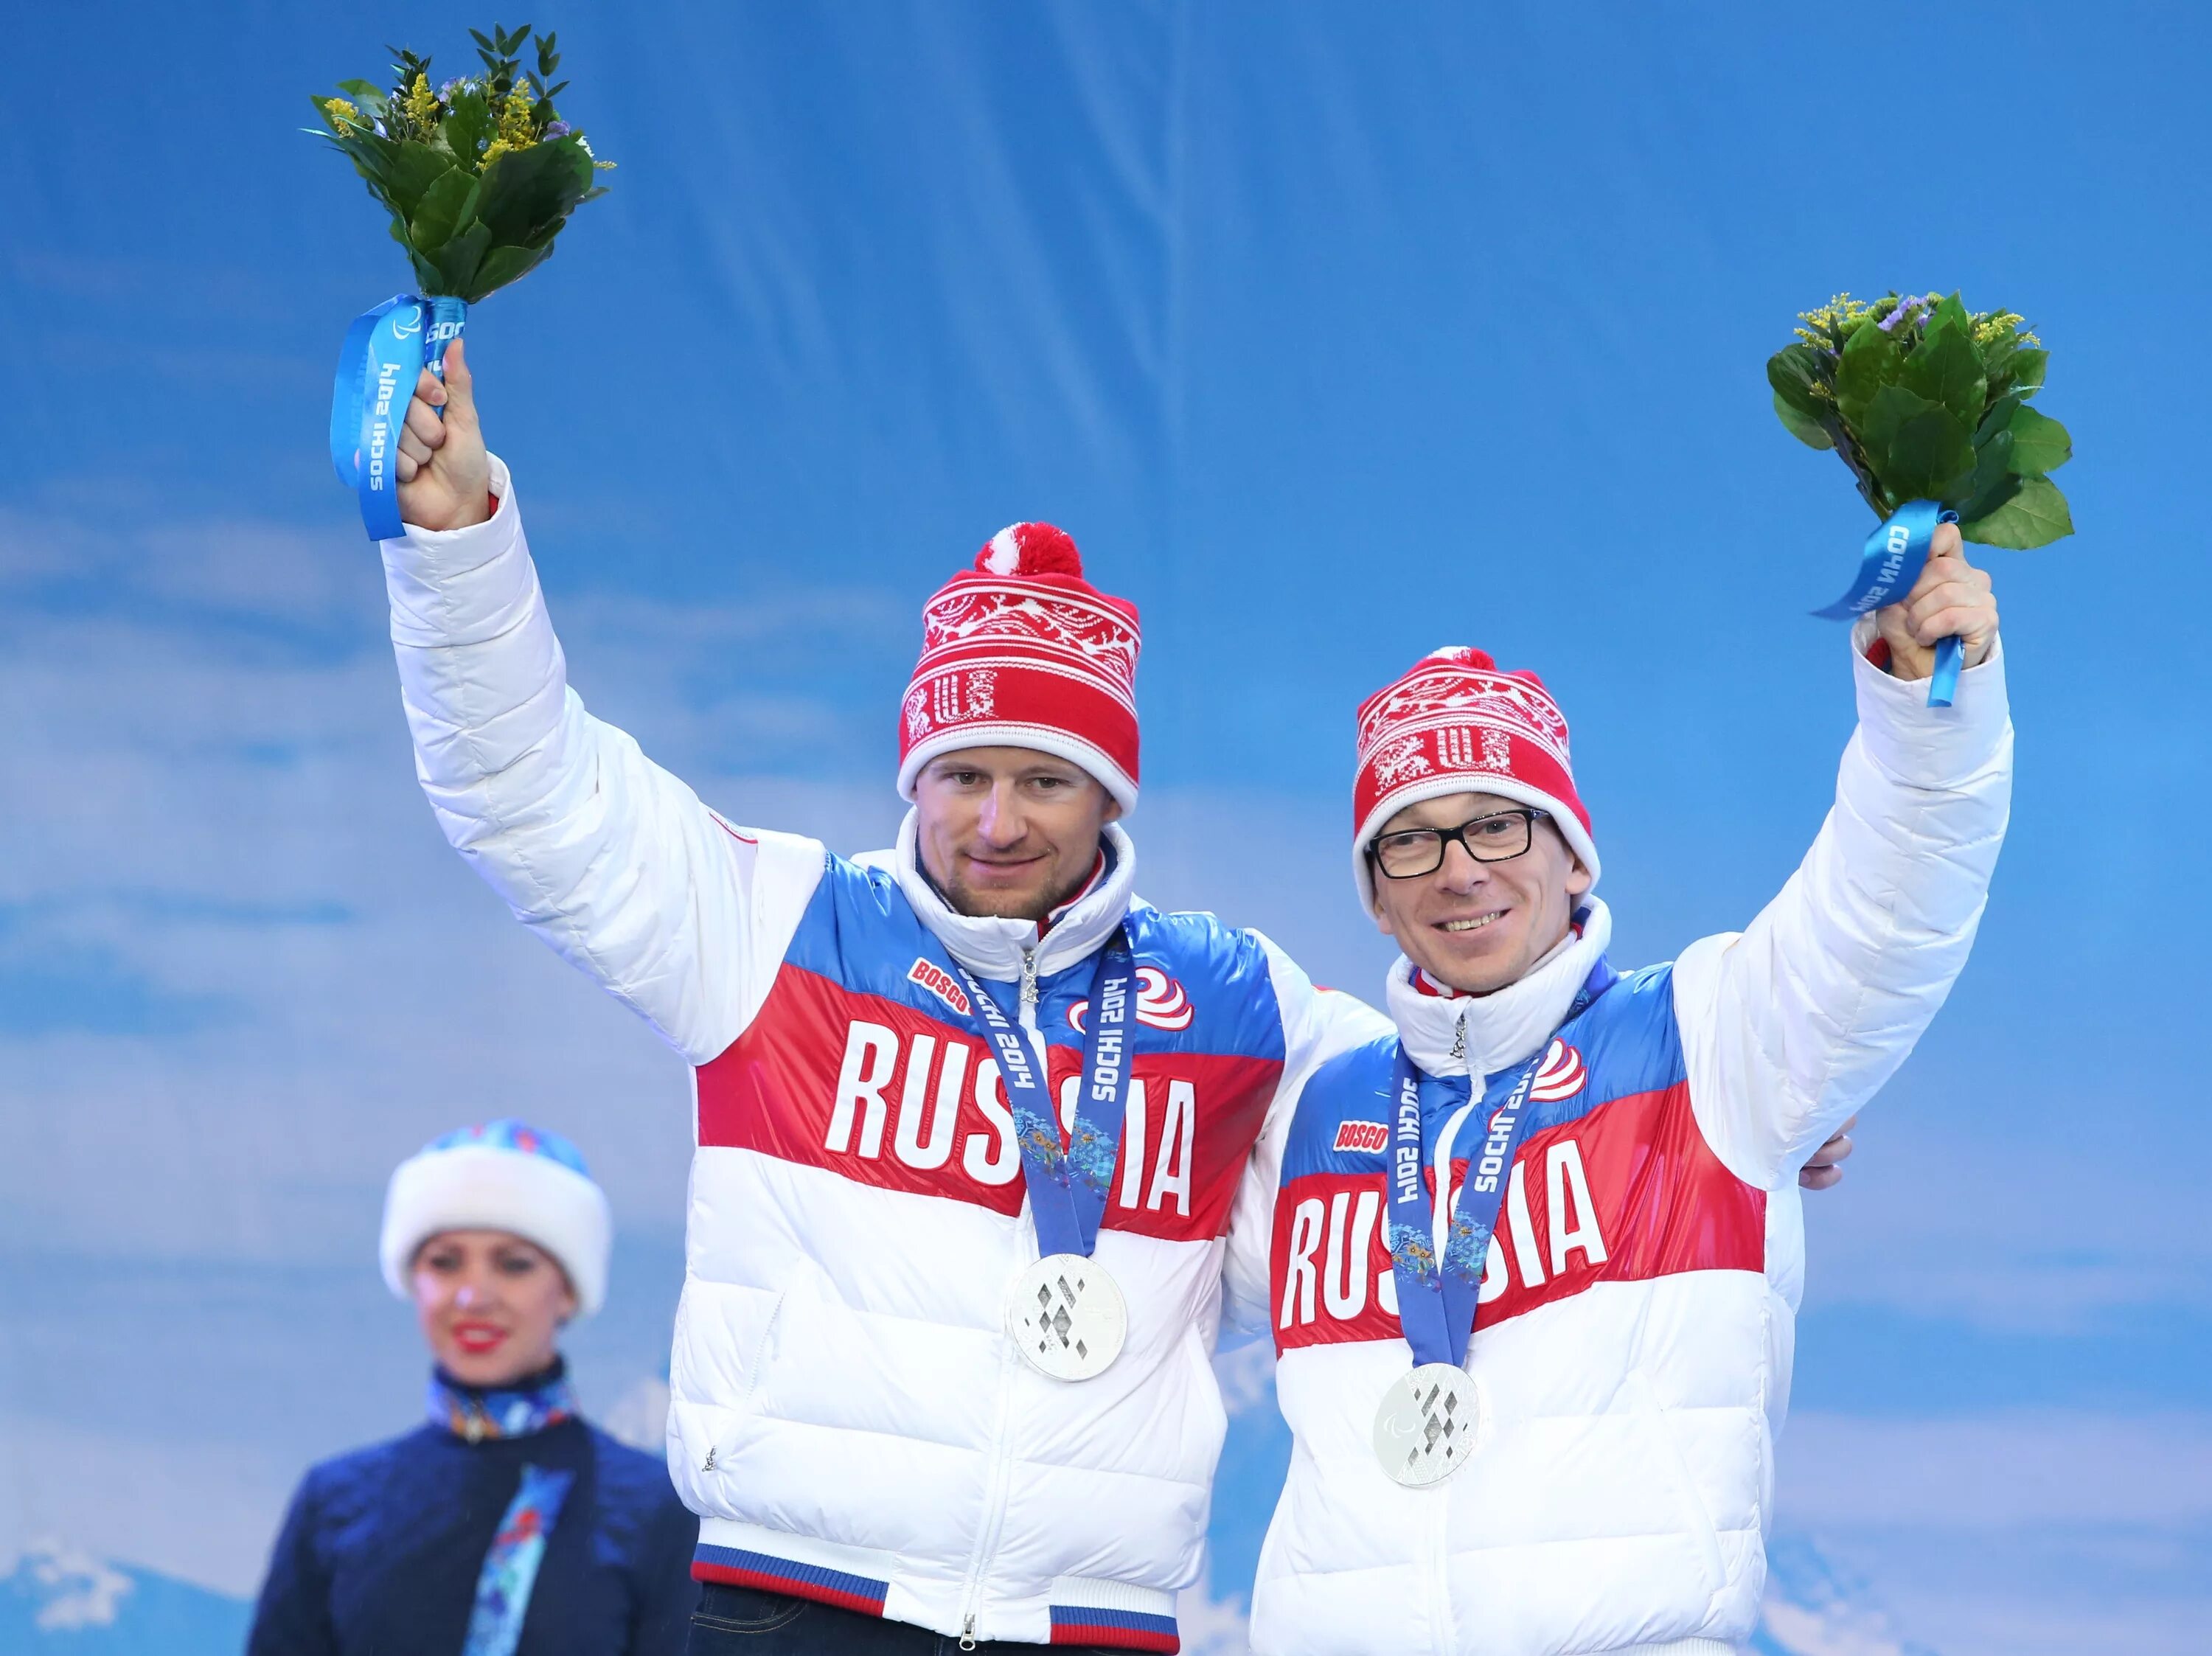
{"points": [[444, 476], [1951, 599]]}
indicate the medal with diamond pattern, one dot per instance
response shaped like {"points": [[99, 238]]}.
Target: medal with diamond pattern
{"points": [[1425, 1431], [1065, 1313], [1067, 1316]]}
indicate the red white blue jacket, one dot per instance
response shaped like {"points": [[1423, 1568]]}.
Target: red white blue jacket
{"points": [[849, 1417], [1632, 1347]]}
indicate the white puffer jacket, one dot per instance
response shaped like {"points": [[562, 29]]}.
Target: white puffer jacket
{"points": [[849, 1416], [1632, 1348]]}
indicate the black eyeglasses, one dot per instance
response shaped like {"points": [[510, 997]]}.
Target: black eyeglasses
{"points": [[1498, 838]]}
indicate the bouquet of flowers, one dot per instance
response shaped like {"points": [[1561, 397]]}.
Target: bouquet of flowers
{"points": [[1927, 401], [479, 173]]}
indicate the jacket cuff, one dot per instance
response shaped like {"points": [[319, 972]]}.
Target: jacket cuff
{"points": [[461, 585], [1925, 746], [455, 549]]}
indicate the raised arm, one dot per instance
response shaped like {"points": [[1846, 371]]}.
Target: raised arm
{"points": [[1790, 1026], [612, 860]]}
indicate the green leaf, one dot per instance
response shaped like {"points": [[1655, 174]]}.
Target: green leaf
{"points": [[2036, 516], [534, 190], [2028, 368], [504, 265], [1998, 418], [1869, 362], [414, 168], [1794, 370], [1946, 369], [469, 125], [1916, 446], [447, 205], [460, 258], [1992, 467], [366, 93], [1950, 315], [2039, 443], [1981, 503], [1801, 426]]}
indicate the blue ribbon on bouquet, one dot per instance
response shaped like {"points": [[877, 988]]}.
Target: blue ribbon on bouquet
{"points": [[1892, 561], [386, 347]]}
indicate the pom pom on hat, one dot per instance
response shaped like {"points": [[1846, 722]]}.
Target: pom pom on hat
{"points": [[1031, 550], [501, 1175]]}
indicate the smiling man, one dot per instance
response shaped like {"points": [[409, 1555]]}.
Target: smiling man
{"points": [[1593, 1174], [970, 1117]]}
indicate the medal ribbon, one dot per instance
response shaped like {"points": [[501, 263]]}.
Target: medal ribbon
{"points": [[386, 347], [1891, 561], [1067, 1187], [1436, 1297]]}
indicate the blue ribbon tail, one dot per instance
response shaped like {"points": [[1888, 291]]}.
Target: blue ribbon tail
{"points": [[345, 395], [1889, 563], [385, 349], [1943, 682]]}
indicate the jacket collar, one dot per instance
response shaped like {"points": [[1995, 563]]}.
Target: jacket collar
{"points": [[1478, 1035], [475, 1413], [995, 949]]}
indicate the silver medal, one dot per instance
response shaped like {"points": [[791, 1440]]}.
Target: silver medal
{"points": [[1067, 1316], [1425, 1431]]}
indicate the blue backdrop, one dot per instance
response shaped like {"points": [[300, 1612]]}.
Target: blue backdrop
{"points": [[1333, 334]]}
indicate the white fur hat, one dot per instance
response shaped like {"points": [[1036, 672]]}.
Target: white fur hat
{"points": [[502, 1175]]}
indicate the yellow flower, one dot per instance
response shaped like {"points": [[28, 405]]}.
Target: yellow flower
{"points": [[341, 112], [499, 147], [514, 116], [422, 103]]}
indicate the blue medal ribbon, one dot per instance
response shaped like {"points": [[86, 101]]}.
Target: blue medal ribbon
{"points": [[1438, 1294], [1893, 557], [386, 347], [1067, 1187]]}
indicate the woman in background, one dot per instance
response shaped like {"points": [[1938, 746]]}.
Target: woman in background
{"points": [[505, 1525]]}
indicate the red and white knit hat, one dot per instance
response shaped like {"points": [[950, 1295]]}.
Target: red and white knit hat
{"points": [[1021, 652], [1457, 723]]}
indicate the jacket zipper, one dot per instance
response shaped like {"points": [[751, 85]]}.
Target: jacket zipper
{"points": [[1439, 1564], [994, 1499]]}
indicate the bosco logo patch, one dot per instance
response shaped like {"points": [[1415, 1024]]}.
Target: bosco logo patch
{"points": [[1161, 1003], [1368, 1136], [939, 983]]}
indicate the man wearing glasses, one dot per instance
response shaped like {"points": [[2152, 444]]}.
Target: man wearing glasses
{"points": [[1535, 1257]]}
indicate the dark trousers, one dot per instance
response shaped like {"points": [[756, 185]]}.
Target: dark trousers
{"points": [[745, 1621]]}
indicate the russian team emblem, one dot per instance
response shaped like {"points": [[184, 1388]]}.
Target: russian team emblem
{"points": [[1561, 1075], [1161, 1003]]}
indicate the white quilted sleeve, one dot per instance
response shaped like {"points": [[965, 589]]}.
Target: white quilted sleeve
{"points": [[612, 861], [1318, 1024], [1792, 1026]]}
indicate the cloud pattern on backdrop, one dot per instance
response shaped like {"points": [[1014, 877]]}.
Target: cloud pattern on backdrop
{"points": [[1242, 298]]}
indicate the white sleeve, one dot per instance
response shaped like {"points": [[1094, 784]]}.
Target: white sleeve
{"points": [[1318, 1024], [612, 861], [1790, 1026]]}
